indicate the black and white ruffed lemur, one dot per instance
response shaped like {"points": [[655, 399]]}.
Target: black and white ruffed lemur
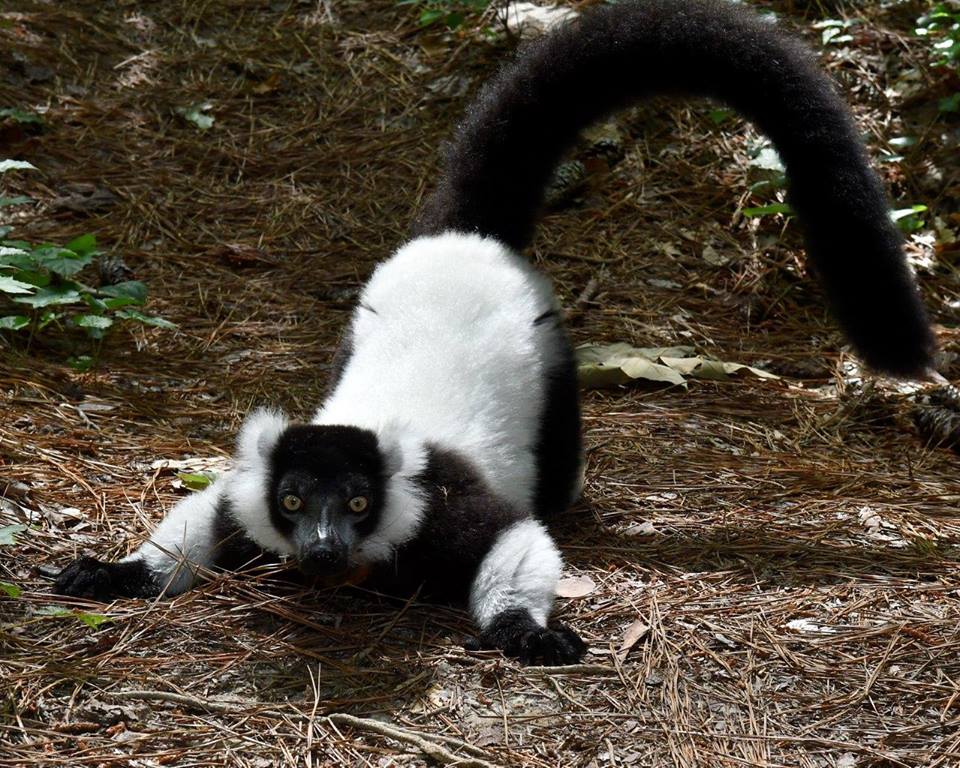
{"points": [[453, 427]]}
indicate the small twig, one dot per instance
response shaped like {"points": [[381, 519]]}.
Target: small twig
{"points": [[386, 630], [212, 705], [429, 748], [427, 744], [572, 669]]}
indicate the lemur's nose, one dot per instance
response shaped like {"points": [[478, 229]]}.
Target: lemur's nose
{"points": [[324, 558]]}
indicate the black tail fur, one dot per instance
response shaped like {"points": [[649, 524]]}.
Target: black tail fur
{"points": [[529, 114]]}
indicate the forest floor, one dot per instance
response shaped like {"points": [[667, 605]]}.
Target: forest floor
{"points": [[768, 567]]}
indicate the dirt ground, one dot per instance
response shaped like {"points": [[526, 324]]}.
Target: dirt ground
{"points": [[774, 563]]}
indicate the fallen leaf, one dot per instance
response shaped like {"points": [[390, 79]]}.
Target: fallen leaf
{"points": [[642, 529], [612, 364], [83, 198], [575, 586], [633, 635], [713, 257], [8, 534], [267, 86], [241, 255], [532, 20], [810, 627], [16, 165], [196, 114]]}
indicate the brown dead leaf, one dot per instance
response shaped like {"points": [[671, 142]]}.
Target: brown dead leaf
{"points": [[633, 635]]}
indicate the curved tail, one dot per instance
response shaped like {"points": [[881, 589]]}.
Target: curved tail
{"points": [[530, 113]]}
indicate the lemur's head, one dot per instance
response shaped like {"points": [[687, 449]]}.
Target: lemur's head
{"points": [[324, 489]]}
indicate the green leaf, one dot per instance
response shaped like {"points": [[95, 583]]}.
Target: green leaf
{"points": [[67, 293], [61, 261], [9, 285], [38, 279], [8, 534], [907, 219], [99, 307], [92, 620], [196, 481], [454, 20], [157, 322], [430, 16], [901, 213], [46, 318], [133, 290], [98, 322], [14, 322], [950, 104], [16, 165], [81, 363], [19, 200], [119, 301], [720, 116], [10, 590], [20, 115], [195, 114], [82, 245], [765, 210]]}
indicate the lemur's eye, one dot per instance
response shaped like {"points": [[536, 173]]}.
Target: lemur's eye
{"points": [[358, 504], [291, 503]]}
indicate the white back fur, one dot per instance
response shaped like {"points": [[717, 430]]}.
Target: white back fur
{"points": [[445, 348], [520, 571]]}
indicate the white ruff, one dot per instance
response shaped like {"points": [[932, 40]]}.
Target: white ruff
{"points": [[247, 485], [520, 571], [404, 503], [445, 347]]}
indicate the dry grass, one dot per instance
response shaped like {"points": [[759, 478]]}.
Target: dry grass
{"points": [[786, 625]]}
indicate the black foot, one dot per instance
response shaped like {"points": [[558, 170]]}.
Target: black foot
{"points": [[516, 634], [96, 580]]}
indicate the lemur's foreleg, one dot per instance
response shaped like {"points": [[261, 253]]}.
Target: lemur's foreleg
{"points": [[198, 534], [512, 595]]}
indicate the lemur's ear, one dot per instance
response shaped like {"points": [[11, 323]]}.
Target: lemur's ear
{"points": [[391, 448], [259, 433]]}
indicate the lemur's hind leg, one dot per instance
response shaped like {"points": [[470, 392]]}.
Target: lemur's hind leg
{"points": [[198, 534], [512, 595]]}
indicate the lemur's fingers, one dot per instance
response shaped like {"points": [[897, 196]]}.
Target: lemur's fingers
{"points": [[518, 636], [96, 580]]}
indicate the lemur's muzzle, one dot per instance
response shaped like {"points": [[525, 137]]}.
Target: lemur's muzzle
{"points": [[325, 556]]}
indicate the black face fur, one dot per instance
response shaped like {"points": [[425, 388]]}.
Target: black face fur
{"points": [[325, 467]]}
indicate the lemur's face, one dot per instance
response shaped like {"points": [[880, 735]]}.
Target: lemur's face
{"points": [[326, 493]]}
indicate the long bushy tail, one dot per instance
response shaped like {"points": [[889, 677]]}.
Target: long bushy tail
{"points": [[529, 114]]}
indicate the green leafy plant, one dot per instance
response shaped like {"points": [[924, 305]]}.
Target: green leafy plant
{"points": [[92, 620], [40, 288], [451, 14], [941, 25], [909, 219], [8, 537]]}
